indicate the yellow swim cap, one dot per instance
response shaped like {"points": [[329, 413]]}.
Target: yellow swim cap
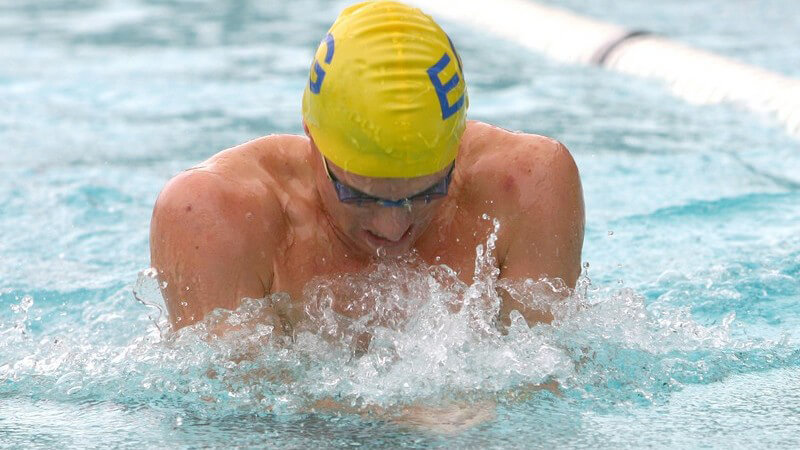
{"points": [[386, 96]]}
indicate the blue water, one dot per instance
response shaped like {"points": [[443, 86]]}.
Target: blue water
{"points": [[683, 332]]}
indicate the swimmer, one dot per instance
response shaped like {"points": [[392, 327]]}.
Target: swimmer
{"points": [[389, 164]]}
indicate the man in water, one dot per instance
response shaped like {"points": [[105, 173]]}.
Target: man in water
{"points": [[389, 165]]}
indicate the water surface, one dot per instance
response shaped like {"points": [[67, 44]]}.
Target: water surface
{"points": [[683, 333]]}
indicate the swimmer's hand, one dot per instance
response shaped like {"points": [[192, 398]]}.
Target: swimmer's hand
{"points": [[455, 418], [449, 419], [446, 419]]}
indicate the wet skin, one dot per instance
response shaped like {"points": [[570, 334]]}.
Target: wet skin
{"points": [[263, 217]]}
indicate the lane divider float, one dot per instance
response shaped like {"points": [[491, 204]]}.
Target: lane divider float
{"points": [[697, 76]]}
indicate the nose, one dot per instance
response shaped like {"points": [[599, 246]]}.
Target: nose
{"points": [[390, 223]]}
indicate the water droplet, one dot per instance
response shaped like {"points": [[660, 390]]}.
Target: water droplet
{"points": [[610, 233], [438, 258], [485, 216], [184, 304], [24, 305]]}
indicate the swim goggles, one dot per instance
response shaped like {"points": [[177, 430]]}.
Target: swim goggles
{"points": [[353, 196]]}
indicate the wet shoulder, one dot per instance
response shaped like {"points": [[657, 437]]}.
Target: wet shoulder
{"points": [[486, 144], [511, 168], [279, 157], [240, 186]]}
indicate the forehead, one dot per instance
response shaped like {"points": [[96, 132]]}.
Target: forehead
{"points": [[388, 188]]}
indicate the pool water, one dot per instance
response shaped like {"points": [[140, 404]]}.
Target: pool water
{"points": [[682, 332]]}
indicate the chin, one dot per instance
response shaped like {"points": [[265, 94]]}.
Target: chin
{"points": [[393, 252], [376, 246]]}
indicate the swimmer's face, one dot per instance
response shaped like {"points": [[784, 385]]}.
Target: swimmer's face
{"points": [[370, 226]]}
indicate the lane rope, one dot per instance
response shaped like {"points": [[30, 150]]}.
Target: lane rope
{"points": [[697, 76]]}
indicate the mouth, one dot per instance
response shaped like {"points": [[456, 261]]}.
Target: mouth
{"points": [[377, 241]]}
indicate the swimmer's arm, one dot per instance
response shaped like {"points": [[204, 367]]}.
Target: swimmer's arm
{"points": [[206, 247], [546, 235]]}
